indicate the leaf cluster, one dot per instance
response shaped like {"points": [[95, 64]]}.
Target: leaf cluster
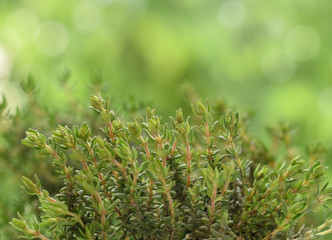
{"points": [[199, 178]]}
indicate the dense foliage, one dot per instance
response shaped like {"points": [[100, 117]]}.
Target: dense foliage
{"points": [[17, 160], [199, 178]]}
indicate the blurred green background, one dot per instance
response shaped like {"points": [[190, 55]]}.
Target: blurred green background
{"points": [[270, 56]]}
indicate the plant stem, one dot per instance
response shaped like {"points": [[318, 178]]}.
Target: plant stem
{"points": [[188, 164], [207, 136], [170, 203], [214, 195], [39, 235], [77, 218]]}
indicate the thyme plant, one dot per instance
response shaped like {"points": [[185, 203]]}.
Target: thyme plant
{"points": [[17, 160], [203, 177]]}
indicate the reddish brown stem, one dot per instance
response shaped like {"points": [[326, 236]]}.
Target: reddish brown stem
{"points": [[213, 199], [51, 200], [85, 165], [207, 136], [145, 145], [39, 235], [170, 203], [188, 164], [111, 135], [150, 191], [123, 170], [68, 175], [174, 147], [164, 161], [103, 182], [64, 167], [102, 212]]}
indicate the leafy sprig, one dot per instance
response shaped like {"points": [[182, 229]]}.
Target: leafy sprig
{"points": [[145, 180]]}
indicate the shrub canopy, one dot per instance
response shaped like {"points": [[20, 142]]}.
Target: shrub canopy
{"points": [[203, 177]]}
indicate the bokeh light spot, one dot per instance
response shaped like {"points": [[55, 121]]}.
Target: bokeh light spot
{"points": [[278, 66], [5, 65], [21, 24], [276, 26], [52, 38], [302, 43], [232, 14], [86, 17], [325, 101]]}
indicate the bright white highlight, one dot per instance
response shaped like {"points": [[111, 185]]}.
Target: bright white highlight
{"points": [[5, 65]]}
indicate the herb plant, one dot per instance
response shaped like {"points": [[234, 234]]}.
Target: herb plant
{"points": [[199, 178], [17, 160]]}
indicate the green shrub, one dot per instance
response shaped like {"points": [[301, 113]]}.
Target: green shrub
{"points": [[200, 178], [17, 160]]}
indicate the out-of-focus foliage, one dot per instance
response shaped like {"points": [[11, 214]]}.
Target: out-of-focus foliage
{"points": [[269, 55], [16, 160]]}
